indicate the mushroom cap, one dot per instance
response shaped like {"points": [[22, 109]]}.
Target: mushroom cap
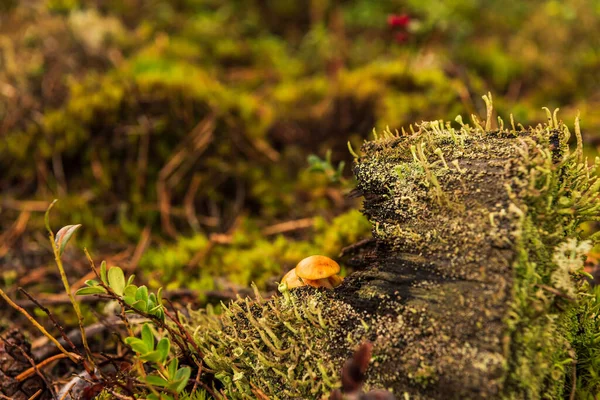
{"points": [[292, 280], [317, 267]]}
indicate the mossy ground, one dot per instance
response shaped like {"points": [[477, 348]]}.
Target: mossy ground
{"points": [[184, 119]]}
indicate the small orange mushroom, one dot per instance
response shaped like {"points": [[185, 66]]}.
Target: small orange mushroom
{"points": [[315, 271], [317, 267], [319, 271]]}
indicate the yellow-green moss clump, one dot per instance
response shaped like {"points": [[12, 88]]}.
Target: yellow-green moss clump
{"points": [[475, 289], [280, 347], [250, 256]]}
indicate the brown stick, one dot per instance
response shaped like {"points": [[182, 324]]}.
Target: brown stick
{"points": [[36, 394], [54, 321], [554, 291], [76, 358], [188, 202], [181, 328], [28, 372], [139, 249], [288, 226], [12, 234]]}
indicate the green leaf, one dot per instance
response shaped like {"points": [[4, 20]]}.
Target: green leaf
{"points": [[148, 336], [103, 272], [90, 290], [152, 298], [159, 296], [138, 345], [116, 280], [92, 282], [172, 368], [130, 291], [130, 280], [142, 293], [163, 346], [128, 300], [140, 305], [183, 373], [181, 379], [153, 356], [63, 236], [154, 310], [156, 380]]}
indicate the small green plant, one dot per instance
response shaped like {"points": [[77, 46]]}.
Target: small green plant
{"points": [[166, 380], [166, 375], [316, 164], [138, 298]]}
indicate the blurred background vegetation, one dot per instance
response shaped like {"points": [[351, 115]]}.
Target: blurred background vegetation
{"points": [[178, 132]]}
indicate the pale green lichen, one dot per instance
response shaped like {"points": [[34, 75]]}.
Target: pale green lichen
{"points": [[568, 258], [279, 346]]}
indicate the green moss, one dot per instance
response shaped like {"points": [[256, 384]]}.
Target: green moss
{"points": [[251, 256], [582, 323], [279, 347]]}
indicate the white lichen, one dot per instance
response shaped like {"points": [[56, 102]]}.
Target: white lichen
{"points": [[569, 258]]}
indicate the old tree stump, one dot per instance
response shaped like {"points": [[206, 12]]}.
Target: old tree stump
{"points": [[474, 288]]}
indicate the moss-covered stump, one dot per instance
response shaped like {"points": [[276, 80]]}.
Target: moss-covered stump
{"points": [[475, 288]]}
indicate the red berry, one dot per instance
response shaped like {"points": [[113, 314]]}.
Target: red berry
{"points": [[395, 20]]}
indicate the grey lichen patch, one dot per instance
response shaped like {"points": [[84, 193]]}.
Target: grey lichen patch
{"points": [[474, 289]]}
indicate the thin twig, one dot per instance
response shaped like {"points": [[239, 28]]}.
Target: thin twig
{"points": [[28, 372], [356, 246], [139, 249], [288, 226], [197, 380], [188, 202], [36, 394], [119, 396], [57, 300], [182, 329], [205, 387], [76, 358], [554, 291], [12, 234], [54, 321], [259, 393]]}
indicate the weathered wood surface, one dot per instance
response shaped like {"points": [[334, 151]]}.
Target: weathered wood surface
{"points": [[441, 269]]}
